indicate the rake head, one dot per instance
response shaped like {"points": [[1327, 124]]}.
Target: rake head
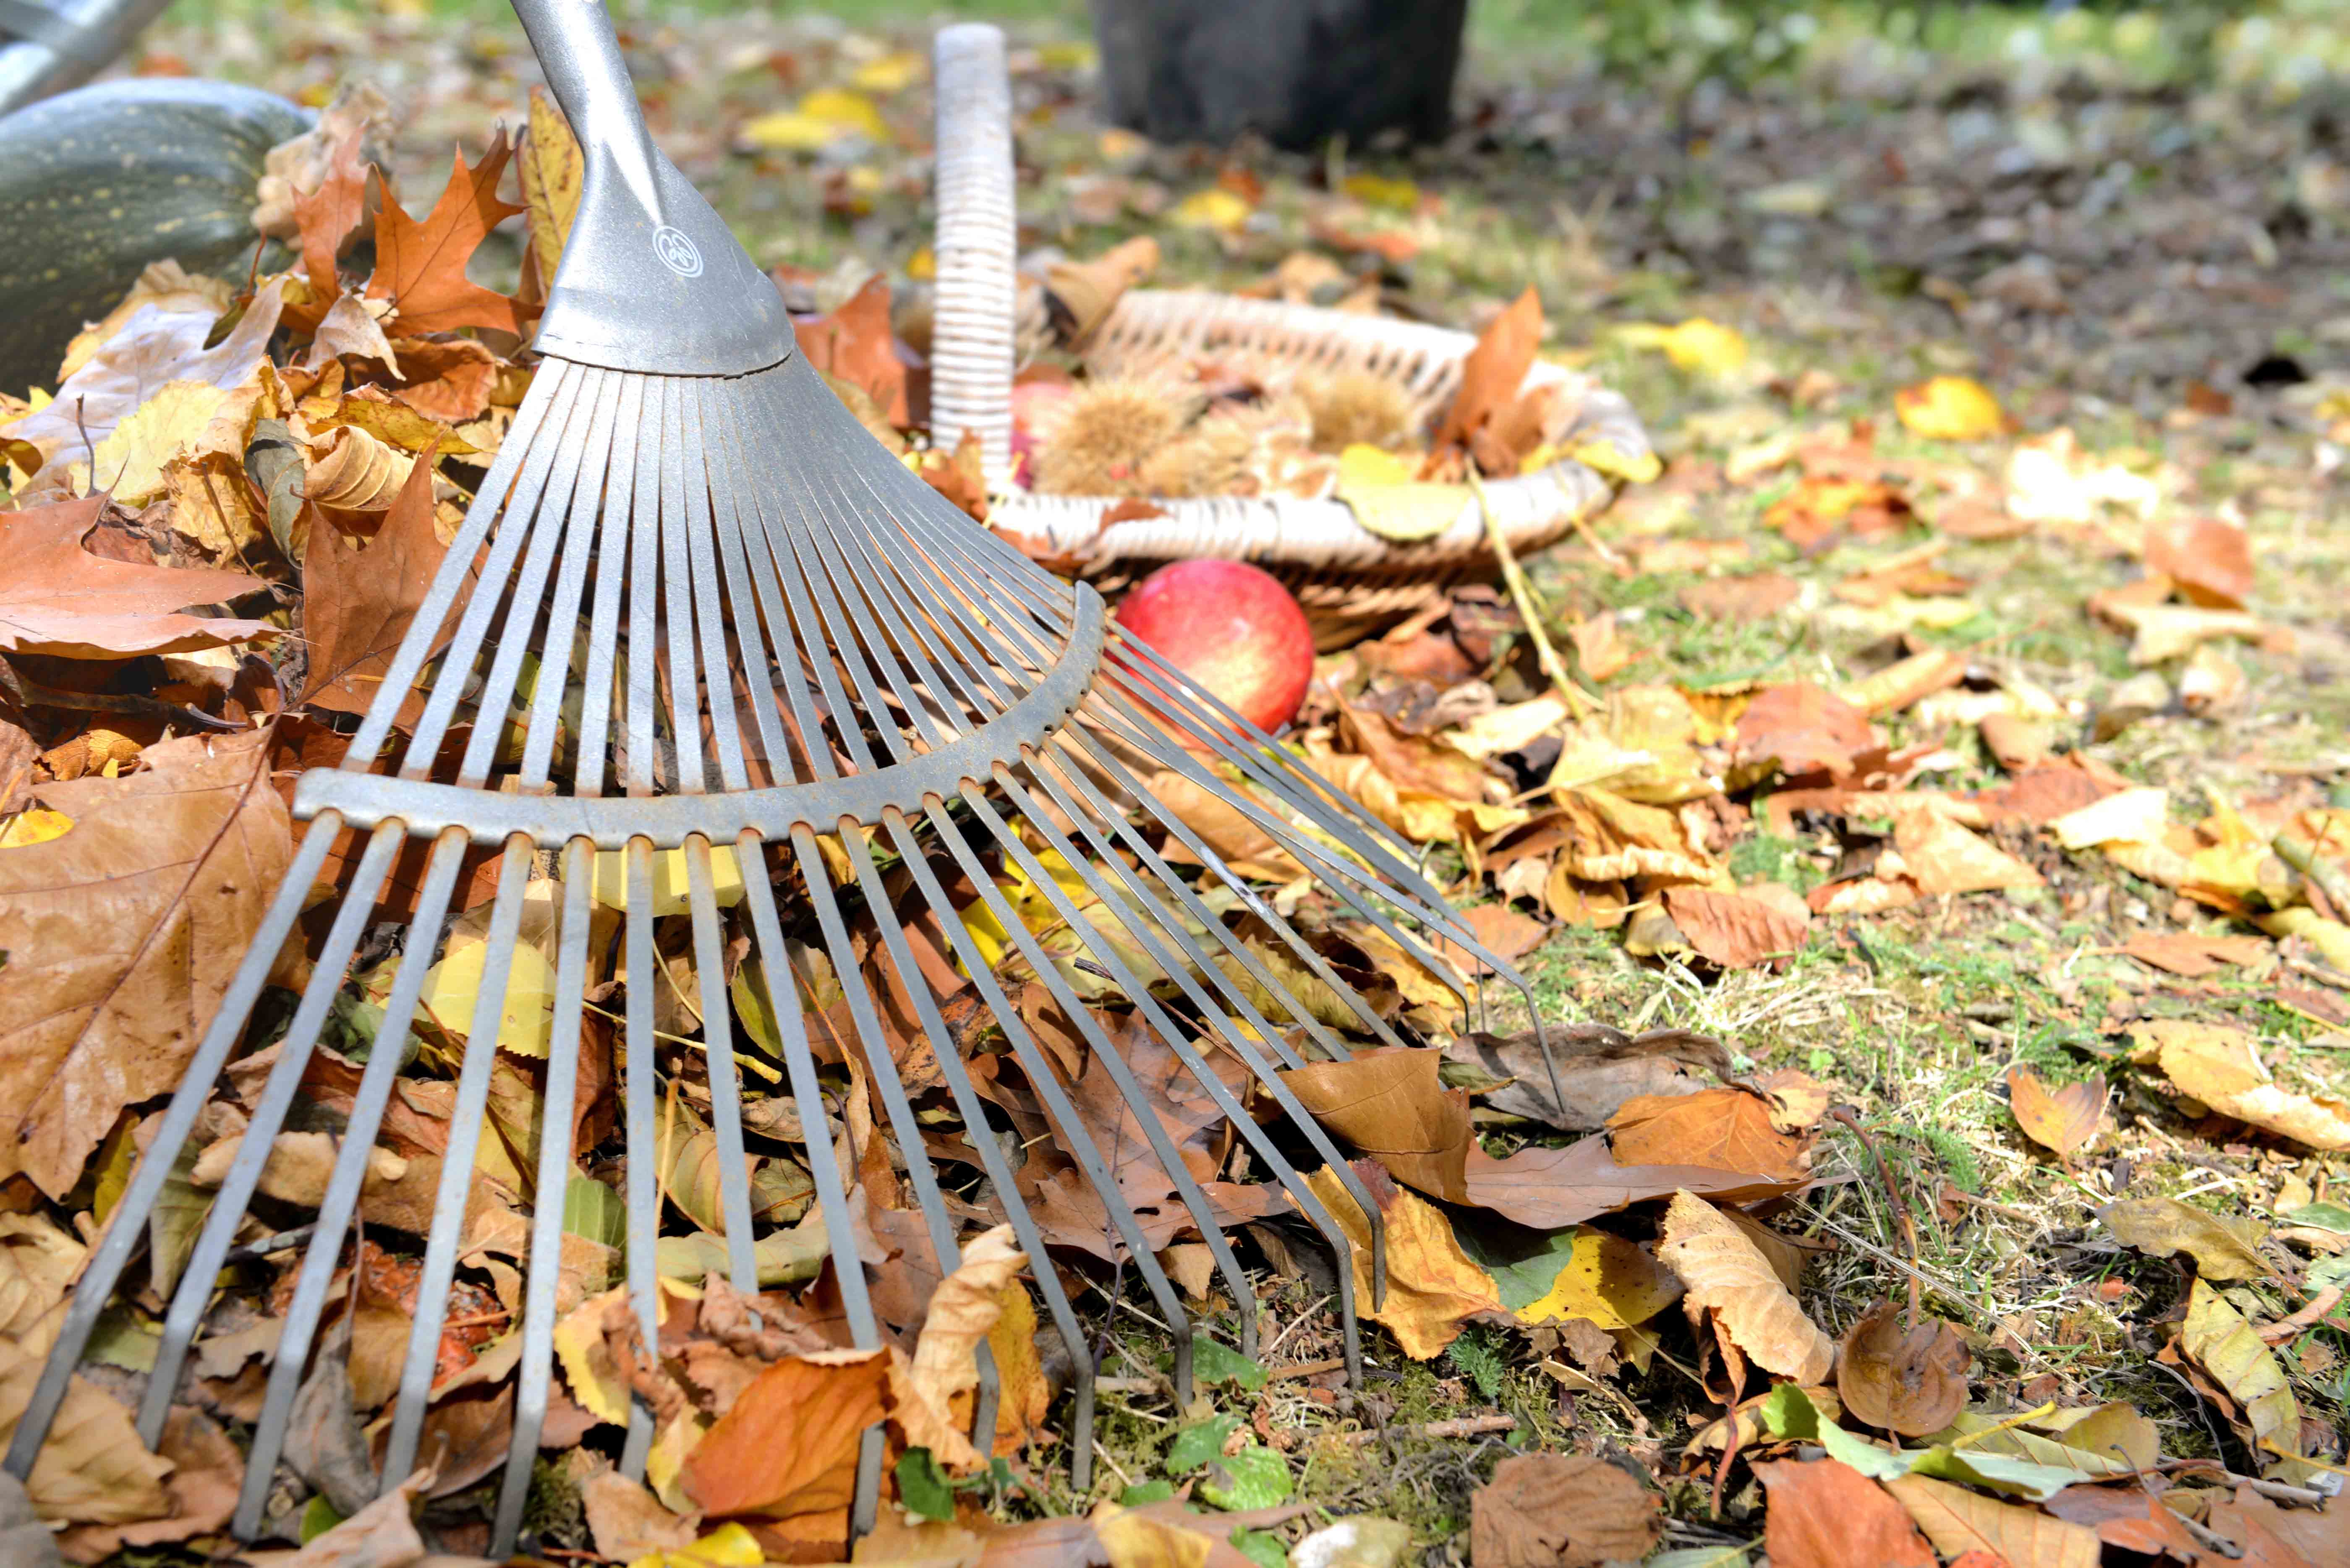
{"points": [[700, 628]]}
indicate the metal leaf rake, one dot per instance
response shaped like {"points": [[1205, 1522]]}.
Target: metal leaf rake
{"points": [[695, 608]]}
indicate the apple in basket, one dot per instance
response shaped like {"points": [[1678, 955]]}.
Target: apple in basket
{"points": [[1232, 628]]}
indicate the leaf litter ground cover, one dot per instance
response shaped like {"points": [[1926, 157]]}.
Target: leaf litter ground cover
{"points": [[1934, 866]]}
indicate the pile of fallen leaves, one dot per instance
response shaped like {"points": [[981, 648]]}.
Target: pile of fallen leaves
{"points": [[289, 454]]}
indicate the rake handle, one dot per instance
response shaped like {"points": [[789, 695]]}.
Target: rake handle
{"points": [[580, 53]]}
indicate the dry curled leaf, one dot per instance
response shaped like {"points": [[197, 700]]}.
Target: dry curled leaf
{"points": [[1911, 1381], [1560, 1511], [2062, 1121], [121, 936], [1733, 930], [1958, 1522], [1727, 1275], [1576, 1075], [1550, 1188], [962, 1311], [2222, 1249]]}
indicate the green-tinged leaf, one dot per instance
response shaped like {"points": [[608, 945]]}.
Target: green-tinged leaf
{"points": [[123, 1338], [2082, 1445], [594, 1211], [2324, 1272], [2222, 1249], [2319, 1216], [1262, 1547], [1788, 1413], [318, 1516], [923, 1487], [1703, 1557], [1195, 1446], [1253, 1477], [172, 1225], [1142, 1492], [1524, 1277], [785, 1258], [1214, 1363]]}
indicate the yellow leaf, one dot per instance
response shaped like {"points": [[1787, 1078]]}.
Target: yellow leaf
{"points": [[1213, 208], [850, 111], [893, 72], [1137, 1539], [610, 886], [728, 1546], [1432, 1284], [1695, 343], [922, 265], [2217, 1066], [129, 462], [552, 168], [1389, 500], [37, 826], [1070, 55], [2217, 1339], [454, 985], [1950, 408], [1610, 1281], [1606, 457], [593, 1376], [1379, 190]]}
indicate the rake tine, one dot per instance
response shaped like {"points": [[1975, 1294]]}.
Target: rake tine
{"points": [[725, 1082], [643, 699], [335, 1211], [127, 1224], [677, 486], [513, 514], [643, 1180], [1031, 1056], [1154, 1133], [1170, 1161], [598, 681], [1101, 756], [519, 467], [203, 1264], [1149, 934], [705, 494], [881, 1072], [758, 688], [452, 1200], [824, 1167], [549, 1196], [991, 1154], [553, 685]]}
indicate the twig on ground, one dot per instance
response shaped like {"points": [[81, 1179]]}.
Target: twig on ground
{"points": [[2311, 1313], [1457, 1426], [1522, 594]]}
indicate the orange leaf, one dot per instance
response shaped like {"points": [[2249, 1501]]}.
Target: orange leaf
{"points": [[855, 344], [1733, 930], [420, 267], [1390, 1103], [358, 604], [328, 215], [56, 598], [1721, 1129], [1825, 1514], [2062, 1121], [788, 1444], [1493, 372]]}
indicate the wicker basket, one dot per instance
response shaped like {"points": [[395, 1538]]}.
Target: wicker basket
{"points": [[1352, 582]]}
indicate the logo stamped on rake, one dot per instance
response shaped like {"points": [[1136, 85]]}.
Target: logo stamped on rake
{"points": [[677, 252]]}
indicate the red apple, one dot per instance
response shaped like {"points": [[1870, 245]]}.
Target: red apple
{"points": [[1232, 629]]}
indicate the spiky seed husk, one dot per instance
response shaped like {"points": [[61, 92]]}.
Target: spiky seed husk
{"points": [[1102, 435], [1355, 406]]}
